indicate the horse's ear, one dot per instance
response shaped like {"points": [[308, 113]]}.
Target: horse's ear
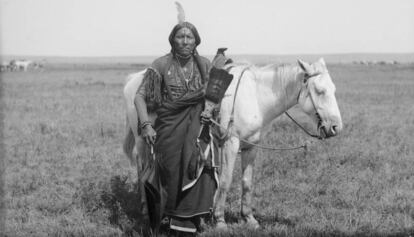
{"points": [[305, 67], [322, 61]]}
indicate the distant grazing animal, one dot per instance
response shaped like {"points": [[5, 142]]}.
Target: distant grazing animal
{"points": [[21, 64], [12, 65], [5, 66], [262, 95], [38, 66]]}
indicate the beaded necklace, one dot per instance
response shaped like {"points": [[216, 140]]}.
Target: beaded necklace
{"points": [[187, 80]]}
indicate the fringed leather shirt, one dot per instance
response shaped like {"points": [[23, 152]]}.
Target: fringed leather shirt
{"points": [[166, 80]]}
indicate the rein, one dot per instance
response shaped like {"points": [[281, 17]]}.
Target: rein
{"points": [[300, 126], [228, 134]]}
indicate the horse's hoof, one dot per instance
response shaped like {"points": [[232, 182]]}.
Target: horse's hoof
{"points": [[251, 222], [221, 225]]}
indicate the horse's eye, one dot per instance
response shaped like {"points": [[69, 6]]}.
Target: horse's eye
{"points": [[320, 89]]}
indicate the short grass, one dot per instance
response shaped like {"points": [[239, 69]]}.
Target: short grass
{"points": [[66, 174]]}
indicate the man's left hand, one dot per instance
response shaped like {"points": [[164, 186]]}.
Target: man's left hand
{"points": [[205, 118]]}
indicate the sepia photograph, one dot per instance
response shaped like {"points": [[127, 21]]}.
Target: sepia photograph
{"points": [[179, 118]]}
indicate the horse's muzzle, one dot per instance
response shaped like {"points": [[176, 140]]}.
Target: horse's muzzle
{"points": [[329, 131]]}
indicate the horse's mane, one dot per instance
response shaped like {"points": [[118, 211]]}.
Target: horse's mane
{"points": [[286, 71], [239, 64]]}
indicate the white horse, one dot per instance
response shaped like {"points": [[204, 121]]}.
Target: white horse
{"points": [[4, 66], [21, 64], [263, 94], [132, 139]]}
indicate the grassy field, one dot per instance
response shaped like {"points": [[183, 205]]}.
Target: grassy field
{"points": [[66, 174]]}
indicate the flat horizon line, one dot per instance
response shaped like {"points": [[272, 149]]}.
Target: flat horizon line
{"points": [[238, 54]]}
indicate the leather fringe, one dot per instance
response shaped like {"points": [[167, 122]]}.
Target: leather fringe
{"points": [[152, 82]]}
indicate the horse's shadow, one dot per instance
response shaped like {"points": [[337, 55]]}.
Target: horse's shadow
{"points": [[234, 218], [122, 201], [263, 219]]}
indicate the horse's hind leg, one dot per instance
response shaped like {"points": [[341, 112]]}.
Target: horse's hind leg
{"points": [[247, 187], [140, 146], [141, 163], [229, 154]]}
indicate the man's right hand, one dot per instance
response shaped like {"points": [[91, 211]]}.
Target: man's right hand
{"points": [[149, 134]]}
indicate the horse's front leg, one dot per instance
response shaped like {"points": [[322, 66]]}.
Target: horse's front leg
{"points": [[247, 163], [229, 154]]}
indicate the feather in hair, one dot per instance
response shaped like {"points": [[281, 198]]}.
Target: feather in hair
{"points": [[181, 13]]}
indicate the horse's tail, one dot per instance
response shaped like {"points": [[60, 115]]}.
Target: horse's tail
{"points": [[128, 146], [132, 83]]}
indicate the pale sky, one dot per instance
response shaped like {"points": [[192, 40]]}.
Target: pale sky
{"points": [[141, 27]]}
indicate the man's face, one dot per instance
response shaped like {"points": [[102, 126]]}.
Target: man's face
{"points": [[184, 42]]}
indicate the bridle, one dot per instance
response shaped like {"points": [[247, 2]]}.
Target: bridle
{"points": [[308, 77]]}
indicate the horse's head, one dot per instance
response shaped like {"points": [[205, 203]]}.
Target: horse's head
{"points": [[317, 98]]}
